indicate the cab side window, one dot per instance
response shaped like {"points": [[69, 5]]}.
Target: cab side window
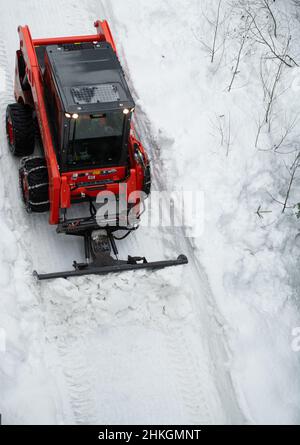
{"points": [[22, 72]]}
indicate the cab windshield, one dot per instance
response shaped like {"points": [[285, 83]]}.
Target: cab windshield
{"points": [[96, 139]]}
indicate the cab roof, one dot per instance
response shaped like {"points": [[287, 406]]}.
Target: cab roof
{"points": [[89, 77]]}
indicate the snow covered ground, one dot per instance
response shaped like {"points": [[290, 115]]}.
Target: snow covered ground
{"points": [[205, 343]]}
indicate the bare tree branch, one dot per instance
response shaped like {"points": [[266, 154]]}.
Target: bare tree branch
{"points": [[276, 80], [264, 41], [293, 169], [216, 32], [266, 3], [235, 71]]}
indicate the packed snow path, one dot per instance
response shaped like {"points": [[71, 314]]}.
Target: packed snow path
{"points": [[133, 348]]}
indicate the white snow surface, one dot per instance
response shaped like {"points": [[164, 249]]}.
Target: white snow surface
{"points": [[201, 344]]}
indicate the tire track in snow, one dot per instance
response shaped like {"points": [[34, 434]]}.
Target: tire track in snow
{"points": [[192, 377], [80, 379]]}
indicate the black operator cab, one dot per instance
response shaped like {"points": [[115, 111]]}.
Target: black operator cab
{"points": [[90, 105]]}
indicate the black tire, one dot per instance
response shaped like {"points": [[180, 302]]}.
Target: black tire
{"points": [[34, 184], [20, 129], [147, 180]]}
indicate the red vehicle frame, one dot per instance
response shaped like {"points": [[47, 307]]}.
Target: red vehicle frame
{"points": [[61, 194]]}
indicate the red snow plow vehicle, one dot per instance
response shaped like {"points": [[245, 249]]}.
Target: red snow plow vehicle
{"points": [[72, 96]]}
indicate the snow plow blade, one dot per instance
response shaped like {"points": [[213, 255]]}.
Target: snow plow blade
{"points": [[133, 263]]}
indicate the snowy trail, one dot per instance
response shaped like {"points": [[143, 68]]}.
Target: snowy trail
{"points": [[137, 348], [203, 302]]}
